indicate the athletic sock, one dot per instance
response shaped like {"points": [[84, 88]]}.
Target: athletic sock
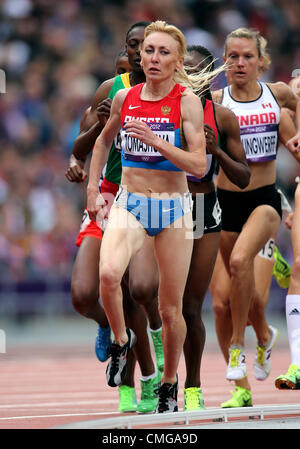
{"points": [[292, 310], [156, 330], [152, 376]]}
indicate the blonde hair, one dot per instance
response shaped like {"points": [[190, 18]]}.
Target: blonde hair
{"points": [[197, 82], [260, 41]]}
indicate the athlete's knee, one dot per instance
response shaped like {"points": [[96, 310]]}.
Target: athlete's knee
{"points": [[221, 309], [83, 296], [142, 291], [191, 309], [170, 314], [110, 276], [239, 264]]}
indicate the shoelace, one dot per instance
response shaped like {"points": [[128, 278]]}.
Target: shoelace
{"points": [[234, 357]]}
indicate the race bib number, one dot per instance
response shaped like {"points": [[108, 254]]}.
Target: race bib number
{"points": [[268, 250]]}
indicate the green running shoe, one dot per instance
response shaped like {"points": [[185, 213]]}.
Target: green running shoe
{"points": [[281, 269], [128, 402], [158, 348], [290, 380], [149, 399], [193, 399], [240, 398]]}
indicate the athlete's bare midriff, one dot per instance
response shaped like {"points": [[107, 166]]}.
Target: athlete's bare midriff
{"points": [[262, 174], [154, 182]]}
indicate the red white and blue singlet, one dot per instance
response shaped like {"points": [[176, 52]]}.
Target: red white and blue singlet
{"points": [[164, 119]]}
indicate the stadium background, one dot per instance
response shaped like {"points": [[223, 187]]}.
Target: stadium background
{"points": [[54, 55]]}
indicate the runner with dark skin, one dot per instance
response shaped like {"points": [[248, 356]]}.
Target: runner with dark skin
{"points": [[232, 158]]}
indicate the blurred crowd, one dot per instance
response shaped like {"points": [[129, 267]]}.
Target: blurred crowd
{"points": [[54, 55]]}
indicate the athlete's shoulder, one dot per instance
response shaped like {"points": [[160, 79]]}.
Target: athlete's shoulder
{"points": [[120, 96], [189, 99], [102, 92], [278, 88], [217, 96], [225, 117]]}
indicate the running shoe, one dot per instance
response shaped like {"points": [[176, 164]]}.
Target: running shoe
{"points": [[128, 402], [149, 399], [116, 368], [241, 397], [236, 368], [290, 380], [167, 398], [262, 361], [193, 399], [158, 348], [103, 343], [281, 269]]}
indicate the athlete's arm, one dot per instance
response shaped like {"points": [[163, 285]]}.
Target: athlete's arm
{"points": [[75, 172], [288, 99], [192, 161], [100, 154], [92, 124], [287, 130], [232, 158]]}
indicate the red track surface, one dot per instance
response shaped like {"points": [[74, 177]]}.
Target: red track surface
{"points": [[47, 387]]}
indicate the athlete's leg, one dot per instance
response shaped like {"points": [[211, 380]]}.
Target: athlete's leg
{"points": [[294, 288], [220, 289], [143, 281], [263, 268], [143, 284], [262, 223], [173, 252], [203, 259], [136, 320], [123, 237], [291, 379], [85, 281]]}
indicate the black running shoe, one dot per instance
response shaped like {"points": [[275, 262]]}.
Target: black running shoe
{"points": [[116, 368], [167, 398]]}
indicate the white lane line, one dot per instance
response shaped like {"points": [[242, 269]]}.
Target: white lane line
{"points": [[58, 404], [59, 416]]}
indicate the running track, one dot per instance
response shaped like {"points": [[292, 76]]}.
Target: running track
{"points": [[53, 385]]}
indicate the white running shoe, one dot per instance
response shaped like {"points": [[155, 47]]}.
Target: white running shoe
{"points": [[262, 361], [236, 368]]}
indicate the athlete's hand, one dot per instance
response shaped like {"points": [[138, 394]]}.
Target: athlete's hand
{"points": [[96, 206], [75, 171], [210, 137], [294, 144], [140, 130], [289, 220], [103, 111]]}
